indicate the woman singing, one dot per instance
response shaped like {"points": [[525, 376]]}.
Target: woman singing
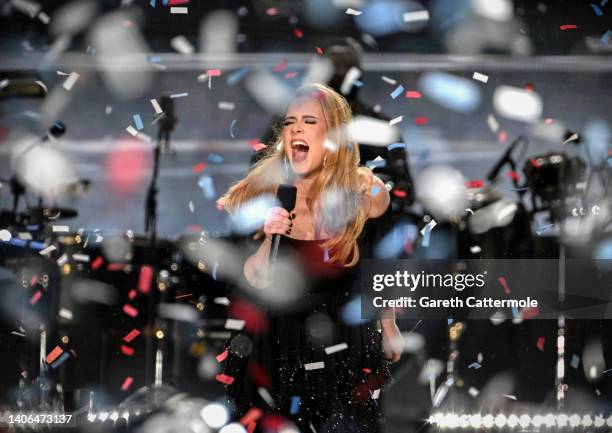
{"points": [[313, 365]]}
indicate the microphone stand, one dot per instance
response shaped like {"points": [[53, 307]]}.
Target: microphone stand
{"points": [[154, 356]]}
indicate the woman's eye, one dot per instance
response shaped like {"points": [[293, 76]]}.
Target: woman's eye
{"points": [[311, 122]]}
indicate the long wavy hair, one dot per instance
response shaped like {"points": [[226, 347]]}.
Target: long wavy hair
{"points": [[341, 179]]}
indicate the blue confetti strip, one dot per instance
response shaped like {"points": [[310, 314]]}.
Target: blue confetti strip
{"points": [[138, 121], [295, 404], [376, 164], [515, 313], [60, 360], [17, 242], [179, 95], [398, 91], [543, 229], [206, 183], [32, 227], [165, 2], [606, 37], [214, 272], [603, 3], [235, 77], [450, 320], [152, 3], [154, 59], [37, 245], [425, 242], [596, 9], [358, 83], [396, 146], [575, 361], [474, 365], [375, 190], [215, 158]]}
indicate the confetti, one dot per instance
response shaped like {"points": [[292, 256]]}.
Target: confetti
{"points": [[44, 18], [65, 313], [543, 229], [224, 378], [132, 334], [47, 250], [35, 297], [350, 11], [510, 396], [410, 17], [61, 229], [215, 158], [475, 249], [290, 75], [224, 105], [130, 311], [422, 120], [60, 360], [376, 394], [281, 66], [138, 121], [351, 76], [314, 365], [429, 227], [336, 348], [252, 415], [222, 356], [131, 130], [234, 324], [132, 294], [208, 188], [492, 122], [70, 81], [298, 33], [127, 383], [156, 106], [80, 257], [232, 128], [97, 263], [191, 209], [480, 77], [145, 278], [568, 26], [475, 365], [375, 190], [396, 120], [214, 272], [236, 76], [389, 80], [265, 395], [398, 91], [517, 104], [295, 405], [473, 392], [413, 94], [54, 354], [127, 350], [179, 10], [597, 9], [179, 95], [256, 145], [575, 361], [199, 167], [540, 343], [222, 300], [504, 284], [606, 37], [62, 260]]}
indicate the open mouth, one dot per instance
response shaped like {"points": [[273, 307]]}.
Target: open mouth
{"points": [[299, 150]]}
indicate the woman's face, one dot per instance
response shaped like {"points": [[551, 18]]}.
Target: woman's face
{"points": [[304, 134]]}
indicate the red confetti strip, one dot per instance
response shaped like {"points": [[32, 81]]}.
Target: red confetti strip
{"points": [[281, 66], [115, 266], [421, 120], [251, 427], [130, 311], [145, 278], [271, 11], [33, 280], [199, 167], [399, 193], [298, 33], [568, 26], [548, 121], [183, 296], [224, 378], [502, 136], [127, 350], [540, 343], [222, 356], [177, 2], [413, 94], [35, 297], [133, 334], [194, 228], [290, 75], [534, 162], [127, 383], [220, 207], [97, 263], [213, 72], [528, 87], [504, 283], [252, 415], [366, 370], [530, 313], [514, 175], [477, 183], [319, 51], [53, 355], [256, 145], [132, 294]]}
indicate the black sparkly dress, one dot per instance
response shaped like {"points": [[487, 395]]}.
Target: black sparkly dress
{"points": [[317, 365]]}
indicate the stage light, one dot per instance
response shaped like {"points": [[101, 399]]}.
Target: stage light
{"points": [[599, 421], [215, 415], [609, 421], [103, 416], [91, 417], [524, 421], [536, 421], [587, 421], [500, 420], [549, 420], [114, 416], [475, 421], [487, 421], [574, 420], [513, 421], [562, 420]]}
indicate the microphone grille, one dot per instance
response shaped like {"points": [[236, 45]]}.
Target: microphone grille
{"points": [[286, 195]]}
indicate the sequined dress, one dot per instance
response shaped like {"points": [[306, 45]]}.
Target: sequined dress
{"points": [[318, 365]]}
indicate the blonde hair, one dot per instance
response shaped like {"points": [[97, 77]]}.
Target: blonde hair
{"points": [[341, 172]]}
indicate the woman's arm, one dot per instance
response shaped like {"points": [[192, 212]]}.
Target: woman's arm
{"points": [[256, 266], [378, 198]]}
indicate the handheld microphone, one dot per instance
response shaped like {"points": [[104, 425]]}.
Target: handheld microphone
{"points": [[286, 195]]}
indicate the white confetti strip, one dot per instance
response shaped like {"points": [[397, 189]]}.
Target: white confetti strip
{"points": [[156, 106], [222, 301], [80, 257], [62, 260], [182, 45], [70, 81], [60, 229], [475, 249], [350, 11], [492, 122], [4, 83], [517, 103], [480, 77], [191, 206], [511, 397], [5, 235], [179, 10], [47, 250], [131, 130], [66, 314], [351, 76], [234, 324], [314, 365], [336, 348], [265, 395], [44, 18], [376, 394], [410, 17], [224, 105], [396, 120], [429, 227], [473, 392], [389, 80]]}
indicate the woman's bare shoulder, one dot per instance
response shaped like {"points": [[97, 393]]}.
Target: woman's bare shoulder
{"points": [[375, 192]]}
